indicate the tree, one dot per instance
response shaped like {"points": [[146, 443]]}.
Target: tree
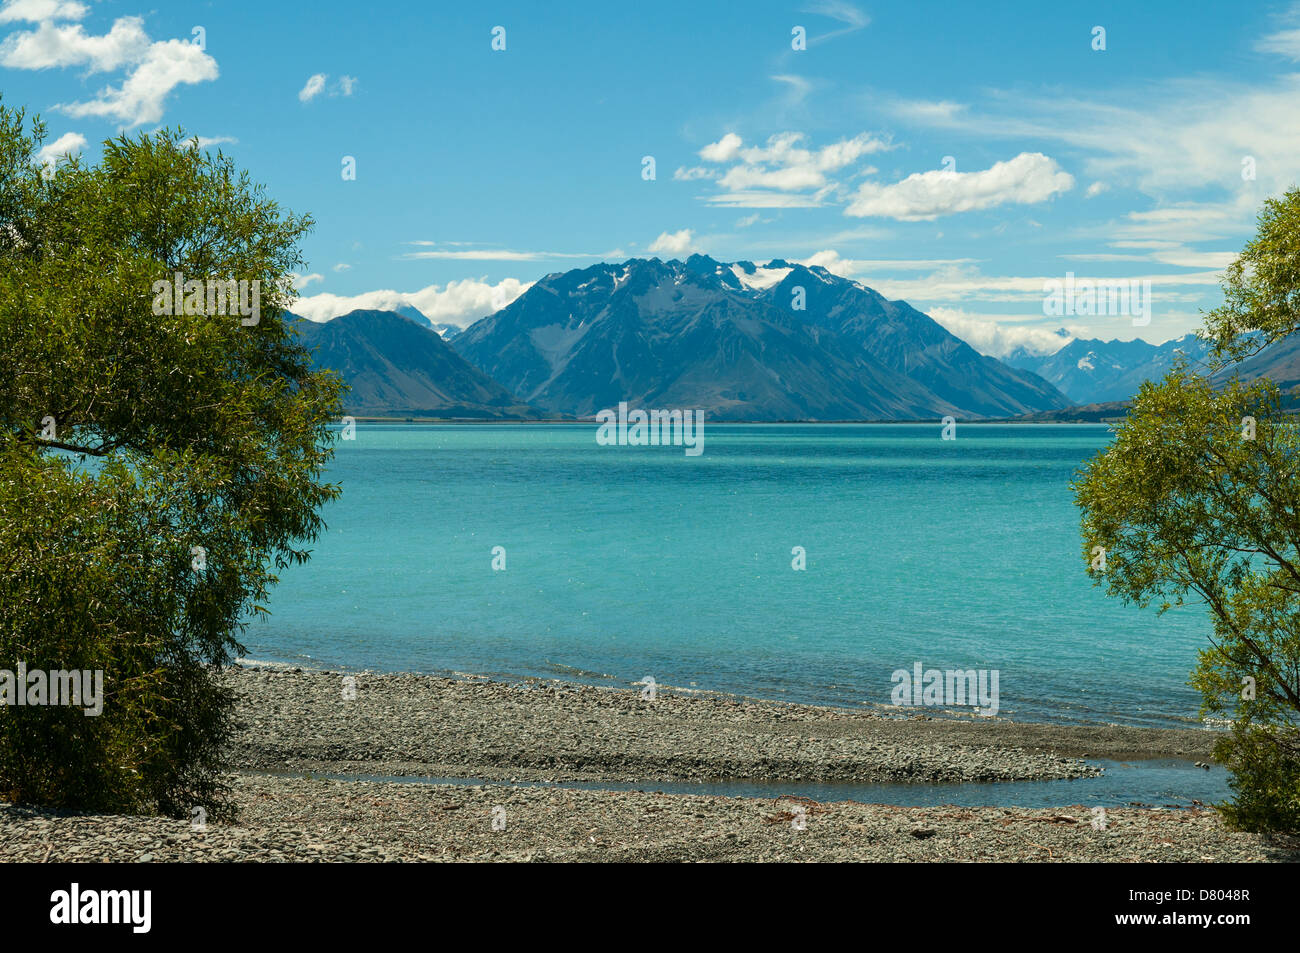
{"points": [[156, 470], [1198, 499]]}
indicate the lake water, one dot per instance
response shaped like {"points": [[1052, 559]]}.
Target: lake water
{"points": [[623, 562]]}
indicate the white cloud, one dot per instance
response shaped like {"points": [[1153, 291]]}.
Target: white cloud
{"points": [[38, 11], [50, 46], [766, 176], [302, 281], [1284, 42], [957, 279], [1029, 178], [1178, 256], [458, 252], [799, 88], [940, 112], [69, 142], [1095, 189], [999, 335], [342, 266], [852, 18], [762, 199], [459, 302], [724, 150], [685, 174], [315, 83], [207, 141], [347, 84], [849, 267], [156, 68], [1158, 138], [139, 99], [674, 243]]}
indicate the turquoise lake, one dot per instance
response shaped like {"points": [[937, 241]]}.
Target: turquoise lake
{"points": [[623, 562]]}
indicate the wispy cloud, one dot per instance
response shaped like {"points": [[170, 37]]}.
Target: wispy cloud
{"points": [[459, 252], [1286, 40], [852, 18], [312, 88]]}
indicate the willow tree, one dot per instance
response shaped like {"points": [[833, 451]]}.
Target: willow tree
{"points": [[156, 469], [1198, 501]]}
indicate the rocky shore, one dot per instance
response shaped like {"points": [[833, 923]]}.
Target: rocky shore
{"points": [[299, 725], [539, 730], [302, 819]]}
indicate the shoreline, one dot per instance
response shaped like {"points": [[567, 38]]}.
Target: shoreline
{"points": [[461, 725], [546, 733]]}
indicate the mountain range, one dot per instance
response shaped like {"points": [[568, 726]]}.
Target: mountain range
{"points": [[1091, 371], [740, 341]]}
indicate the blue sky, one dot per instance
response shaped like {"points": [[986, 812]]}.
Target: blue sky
{"points": [[480, 170]]}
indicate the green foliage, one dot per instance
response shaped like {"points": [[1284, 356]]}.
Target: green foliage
{"points": [[172, 432], [1196, 501], [1265, 766]]}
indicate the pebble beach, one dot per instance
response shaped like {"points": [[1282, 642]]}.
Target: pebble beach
{"points": [[304, 764]]}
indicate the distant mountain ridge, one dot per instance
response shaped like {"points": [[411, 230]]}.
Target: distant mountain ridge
{"points": [[396, 366], [731, 339], [1091, 371], [445, 331]]}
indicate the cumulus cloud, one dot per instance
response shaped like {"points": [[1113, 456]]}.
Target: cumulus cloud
{"points": [[139, 99], [999, 335], [1029, 178], [50, 46], [155, 68], [1183, 152], [459, 303], [724, 150], [782, 172], [313, 87], [674, 243], [38, 11]]}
